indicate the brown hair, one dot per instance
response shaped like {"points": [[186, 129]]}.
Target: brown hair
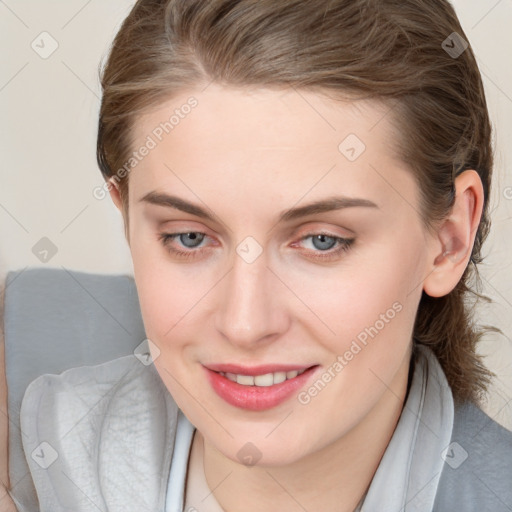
{"points": [[390, 50]]}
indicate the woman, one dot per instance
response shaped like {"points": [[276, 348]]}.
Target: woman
{"points": [[304, 187]]}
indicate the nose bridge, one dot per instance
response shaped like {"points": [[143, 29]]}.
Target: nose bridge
{"points": [[249, 308]]}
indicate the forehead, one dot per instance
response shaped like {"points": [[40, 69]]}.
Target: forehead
{"points": [[272, 142], [266, 119]]}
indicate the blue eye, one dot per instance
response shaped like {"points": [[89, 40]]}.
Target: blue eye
{"points": [[322, 244], [190, 240]]}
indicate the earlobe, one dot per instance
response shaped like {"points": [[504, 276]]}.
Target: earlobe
{"points": [[453, 245]]}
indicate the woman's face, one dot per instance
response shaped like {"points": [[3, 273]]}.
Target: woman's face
{"points": [[265, 283]]}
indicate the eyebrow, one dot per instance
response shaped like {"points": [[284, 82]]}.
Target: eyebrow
{"points": [[322, 206]]}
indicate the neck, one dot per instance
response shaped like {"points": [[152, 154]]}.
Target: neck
{"points": [[332, 479]]}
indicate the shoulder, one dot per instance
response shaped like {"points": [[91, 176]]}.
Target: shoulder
{"points": [[477, 473], [479, 428], [106, 382], [94, 394], [95, 424]]}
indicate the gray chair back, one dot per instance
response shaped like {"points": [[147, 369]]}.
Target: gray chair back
{"points": [[56, 319]]}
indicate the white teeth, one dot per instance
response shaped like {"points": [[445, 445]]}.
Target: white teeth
{"points": [[279, 377], [264, 380], [246, 380], [269, 379]]}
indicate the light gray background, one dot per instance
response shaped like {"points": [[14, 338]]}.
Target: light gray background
{"points": [[48, 170]]}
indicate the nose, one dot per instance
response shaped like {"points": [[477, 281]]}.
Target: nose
{"points": [[251, 304]]}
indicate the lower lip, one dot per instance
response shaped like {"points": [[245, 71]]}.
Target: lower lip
{"points": [[256, 398]]}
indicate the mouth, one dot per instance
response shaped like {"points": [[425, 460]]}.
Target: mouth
{"points": [[265, 380], [257, 388]]}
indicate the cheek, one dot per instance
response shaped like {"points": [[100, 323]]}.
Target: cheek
{"points": [[168, 292], [336, 305], [370, 291], [159, 301], [381, 309]]}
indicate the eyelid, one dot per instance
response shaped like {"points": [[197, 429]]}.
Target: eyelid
{"points": [[317, 228], [324, 233], [340, 240], [322, 228], [183, 226]]}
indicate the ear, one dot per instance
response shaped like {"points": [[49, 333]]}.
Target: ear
{"points": [[113, 188], [115, 194], [451, 248]]}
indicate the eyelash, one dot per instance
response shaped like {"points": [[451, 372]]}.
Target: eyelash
{"points": [[344, 245]]}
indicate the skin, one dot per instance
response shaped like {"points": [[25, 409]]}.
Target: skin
{"points": [[246, 156]]}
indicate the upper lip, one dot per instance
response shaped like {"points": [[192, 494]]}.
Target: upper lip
{"points": [[261, 369]]}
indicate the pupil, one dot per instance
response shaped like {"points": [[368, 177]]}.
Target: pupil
{"points": [[189, 239], [323, 241]]}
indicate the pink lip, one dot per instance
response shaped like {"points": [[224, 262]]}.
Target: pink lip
{"points": [[256, 398]]}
